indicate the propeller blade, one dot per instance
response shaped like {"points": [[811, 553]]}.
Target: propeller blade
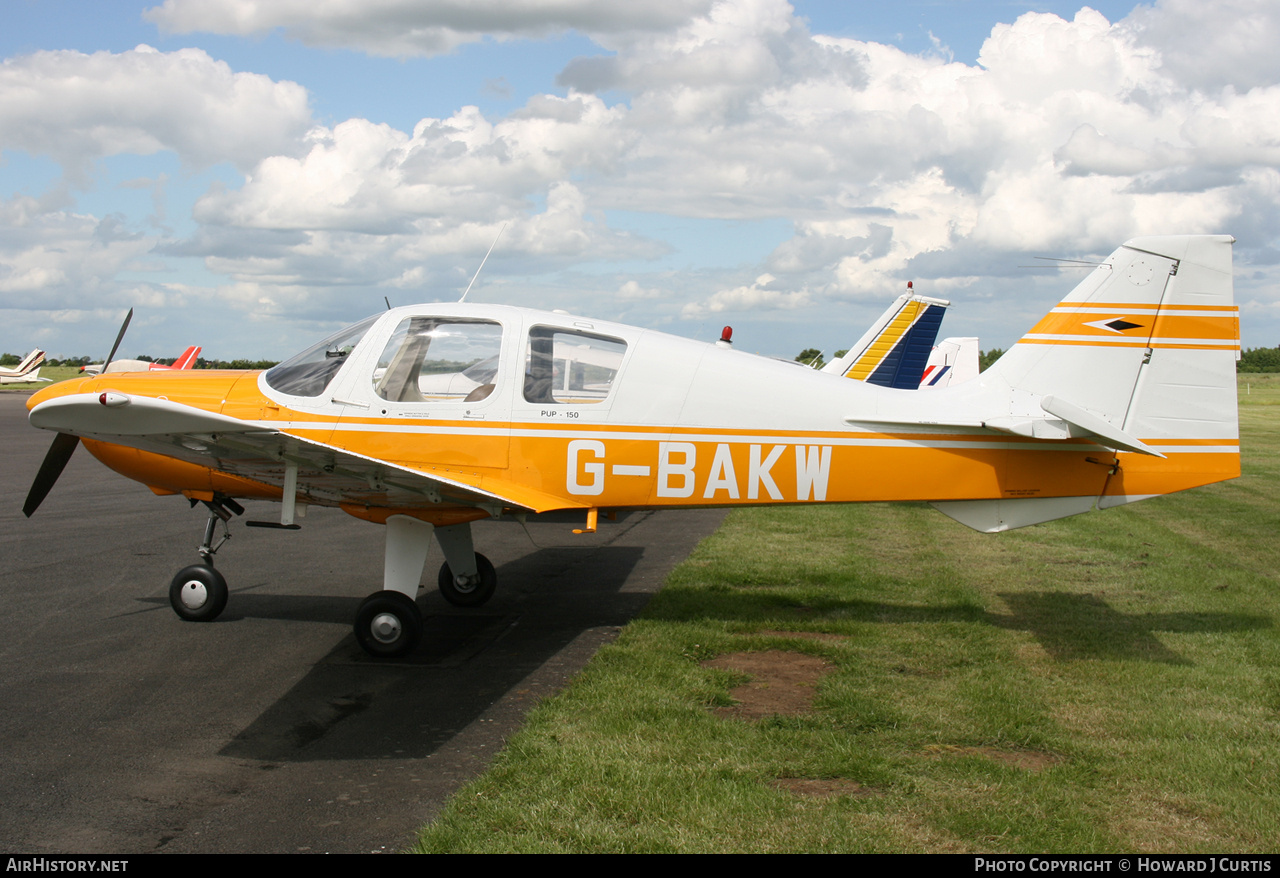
{"points": [[119, 338], [55, 461]]}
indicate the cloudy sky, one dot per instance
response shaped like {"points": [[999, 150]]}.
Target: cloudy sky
{"points": [[250, 174]]}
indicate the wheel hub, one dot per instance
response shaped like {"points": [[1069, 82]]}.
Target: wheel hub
{"points": [[466, 584], [385, 628], [194, 594]]}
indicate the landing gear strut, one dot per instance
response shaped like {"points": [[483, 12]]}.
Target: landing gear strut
{"points": [[468, 591], [467, 579], [199, 593], [389, 623]]}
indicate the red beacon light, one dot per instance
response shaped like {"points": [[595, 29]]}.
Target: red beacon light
{"points": [[726, 338]]}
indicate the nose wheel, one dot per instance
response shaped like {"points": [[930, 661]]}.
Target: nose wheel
{"points": [[198, 593], [388, 624]]}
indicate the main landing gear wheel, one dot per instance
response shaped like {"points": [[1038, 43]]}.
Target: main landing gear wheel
{"points": [[469, 592], [198, 593], [388, 624]]}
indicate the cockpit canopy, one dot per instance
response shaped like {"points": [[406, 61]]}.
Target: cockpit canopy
{"points": [[440, 357]]}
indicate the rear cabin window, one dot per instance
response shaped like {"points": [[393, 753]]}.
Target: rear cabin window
{"points": [[430, 359], [564, 366]]}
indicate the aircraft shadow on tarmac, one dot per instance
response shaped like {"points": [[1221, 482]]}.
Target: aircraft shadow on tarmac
{"points": [[349, 706]]}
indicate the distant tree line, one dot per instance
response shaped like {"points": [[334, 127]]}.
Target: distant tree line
{"points": [[202, 363], [986, 358], [811, 357], [1259, 360]]}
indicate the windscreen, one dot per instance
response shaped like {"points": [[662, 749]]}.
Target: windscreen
{"points": [[309, 373]]}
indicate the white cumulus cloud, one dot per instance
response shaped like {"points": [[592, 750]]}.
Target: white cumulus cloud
{"points": [[77, 107], [760, 295]]}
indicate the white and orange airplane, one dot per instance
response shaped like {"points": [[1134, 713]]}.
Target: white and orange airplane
{"points": [[186, 360], [1124, 391]]}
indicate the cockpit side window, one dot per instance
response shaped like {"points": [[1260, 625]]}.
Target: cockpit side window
{"points": [[564, 366], [309, 373], [430, 359]]}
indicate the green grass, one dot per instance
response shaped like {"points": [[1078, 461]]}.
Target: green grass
{"points": [[1109, 682]]}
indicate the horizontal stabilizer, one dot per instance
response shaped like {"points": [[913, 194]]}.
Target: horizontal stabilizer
{"points": [[1068, 422], [921, 426], [1078, 417]]}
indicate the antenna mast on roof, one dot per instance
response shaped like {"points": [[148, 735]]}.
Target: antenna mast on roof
{"points": [[482, 262]]}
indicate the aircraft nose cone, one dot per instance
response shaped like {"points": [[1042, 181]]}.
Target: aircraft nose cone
{"points": [[53, 391]]}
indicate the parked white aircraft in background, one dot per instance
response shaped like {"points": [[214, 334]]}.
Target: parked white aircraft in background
{"points": [[26, 371], [186, 361]]}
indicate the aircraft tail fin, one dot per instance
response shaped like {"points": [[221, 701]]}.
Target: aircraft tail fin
{"points": [[188, 358], [29, 362], [1140, 357], [894, 351], [952, 361]]}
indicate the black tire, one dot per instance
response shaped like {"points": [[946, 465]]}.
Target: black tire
{"points": [[469, 595], [198, 593], [388, 624]]}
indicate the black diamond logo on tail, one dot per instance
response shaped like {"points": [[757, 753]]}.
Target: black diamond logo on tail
{"points": [[1121, 325]]}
